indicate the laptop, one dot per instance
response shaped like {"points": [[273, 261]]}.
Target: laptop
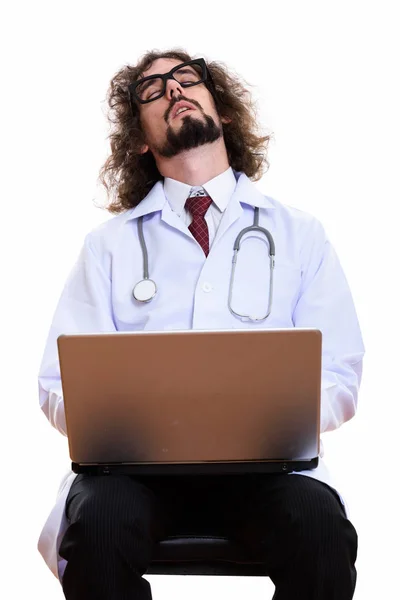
{"points": [[187, 402]]}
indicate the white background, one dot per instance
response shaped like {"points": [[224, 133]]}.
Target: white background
{"points": [[326, 76]]}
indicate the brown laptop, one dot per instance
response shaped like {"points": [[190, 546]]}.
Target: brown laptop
{"points": [[241, 401]]}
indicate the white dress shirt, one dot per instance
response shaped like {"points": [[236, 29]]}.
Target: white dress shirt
{"points": [[220, 190]]}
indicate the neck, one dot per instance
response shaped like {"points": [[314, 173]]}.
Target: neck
{"points": [[196, 166]]}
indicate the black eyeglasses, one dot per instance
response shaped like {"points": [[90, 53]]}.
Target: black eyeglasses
{"points": [[187, 74]]}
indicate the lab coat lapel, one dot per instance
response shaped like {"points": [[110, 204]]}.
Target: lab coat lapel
{"points": [[232, 213], [171, 218], [156, 201], [246, 193], [153, 202]]}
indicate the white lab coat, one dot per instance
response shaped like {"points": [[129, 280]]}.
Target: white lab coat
{"points": [[310, 290]]}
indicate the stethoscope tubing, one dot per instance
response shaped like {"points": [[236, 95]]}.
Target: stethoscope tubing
{"points": [[150, 284], [236, 248]]}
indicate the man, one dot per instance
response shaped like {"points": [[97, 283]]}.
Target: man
{"points": [[184, 148]]}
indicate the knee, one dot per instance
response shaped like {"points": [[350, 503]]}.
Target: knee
{"points": [[319, 523]]}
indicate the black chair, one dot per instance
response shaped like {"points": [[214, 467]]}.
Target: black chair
{"points": [[203, 555]]}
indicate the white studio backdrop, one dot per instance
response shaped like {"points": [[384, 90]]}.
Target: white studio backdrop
{"points": [[325, 77]]}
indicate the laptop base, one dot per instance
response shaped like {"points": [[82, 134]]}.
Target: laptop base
{"points": [[210, 468]]}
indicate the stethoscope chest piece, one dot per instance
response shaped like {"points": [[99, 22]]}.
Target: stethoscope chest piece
{"points": [[144, 290]]}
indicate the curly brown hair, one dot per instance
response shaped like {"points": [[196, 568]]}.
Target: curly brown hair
{"points": [[129, 175]]}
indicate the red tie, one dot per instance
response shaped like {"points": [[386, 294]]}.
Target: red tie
{"points": [[198, 206]]}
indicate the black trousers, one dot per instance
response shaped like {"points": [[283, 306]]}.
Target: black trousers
{"points": [[296, 522]]}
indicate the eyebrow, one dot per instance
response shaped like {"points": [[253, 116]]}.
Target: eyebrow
{"points": [[183, 71], [147, 83], [187, 70]]}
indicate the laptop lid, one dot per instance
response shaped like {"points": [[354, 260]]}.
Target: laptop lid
{"points": [[247, 399]]}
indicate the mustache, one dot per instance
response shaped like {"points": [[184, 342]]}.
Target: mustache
{"points": [[175, 101]]}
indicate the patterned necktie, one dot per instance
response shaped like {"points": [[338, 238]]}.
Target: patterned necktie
{"points": [[198, 205]]}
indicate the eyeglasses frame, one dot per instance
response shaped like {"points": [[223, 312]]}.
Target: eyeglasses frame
{"points": [[207, 79]]}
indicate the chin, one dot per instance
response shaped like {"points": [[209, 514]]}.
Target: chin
{"points": [[190, 117]]}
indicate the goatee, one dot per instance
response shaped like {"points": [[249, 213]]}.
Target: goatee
{"points": [[193, 133]]}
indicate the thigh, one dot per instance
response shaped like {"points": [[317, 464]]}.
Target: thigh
{"points": [[282, 506], [114, 501]]}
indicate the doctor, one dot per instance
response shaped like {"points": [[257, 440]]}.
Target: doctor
{"points": [[184, 150]]}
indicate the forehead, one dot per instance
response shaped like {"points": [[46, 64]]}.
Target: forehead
{"points": [[161, 66]]}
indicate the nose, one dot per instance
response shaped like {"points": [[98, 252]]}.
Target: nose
{"points": [[173, 88]]}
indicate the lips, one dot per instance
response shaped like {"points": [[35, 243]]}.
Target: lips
{"points": [[181, 105], [183, 112]]}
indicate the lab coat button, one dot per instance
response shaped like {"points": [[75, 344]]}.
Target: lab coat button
{"points": [[207, 287]]}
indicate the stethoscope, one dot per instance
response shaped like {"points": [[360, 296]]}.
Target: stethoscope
{"points": [[146, 289]]}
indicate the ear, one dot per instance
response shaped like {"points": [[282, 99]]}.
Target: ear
{"points": [[144, 149], [225, 120]]}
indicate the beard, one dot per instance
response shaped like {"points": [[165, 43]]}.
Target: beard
{"points": [[192, 133]]}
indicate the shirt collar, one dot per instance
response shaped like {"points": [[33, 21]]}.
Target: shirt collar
{"points": [[244, 189], [220, 190]]}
